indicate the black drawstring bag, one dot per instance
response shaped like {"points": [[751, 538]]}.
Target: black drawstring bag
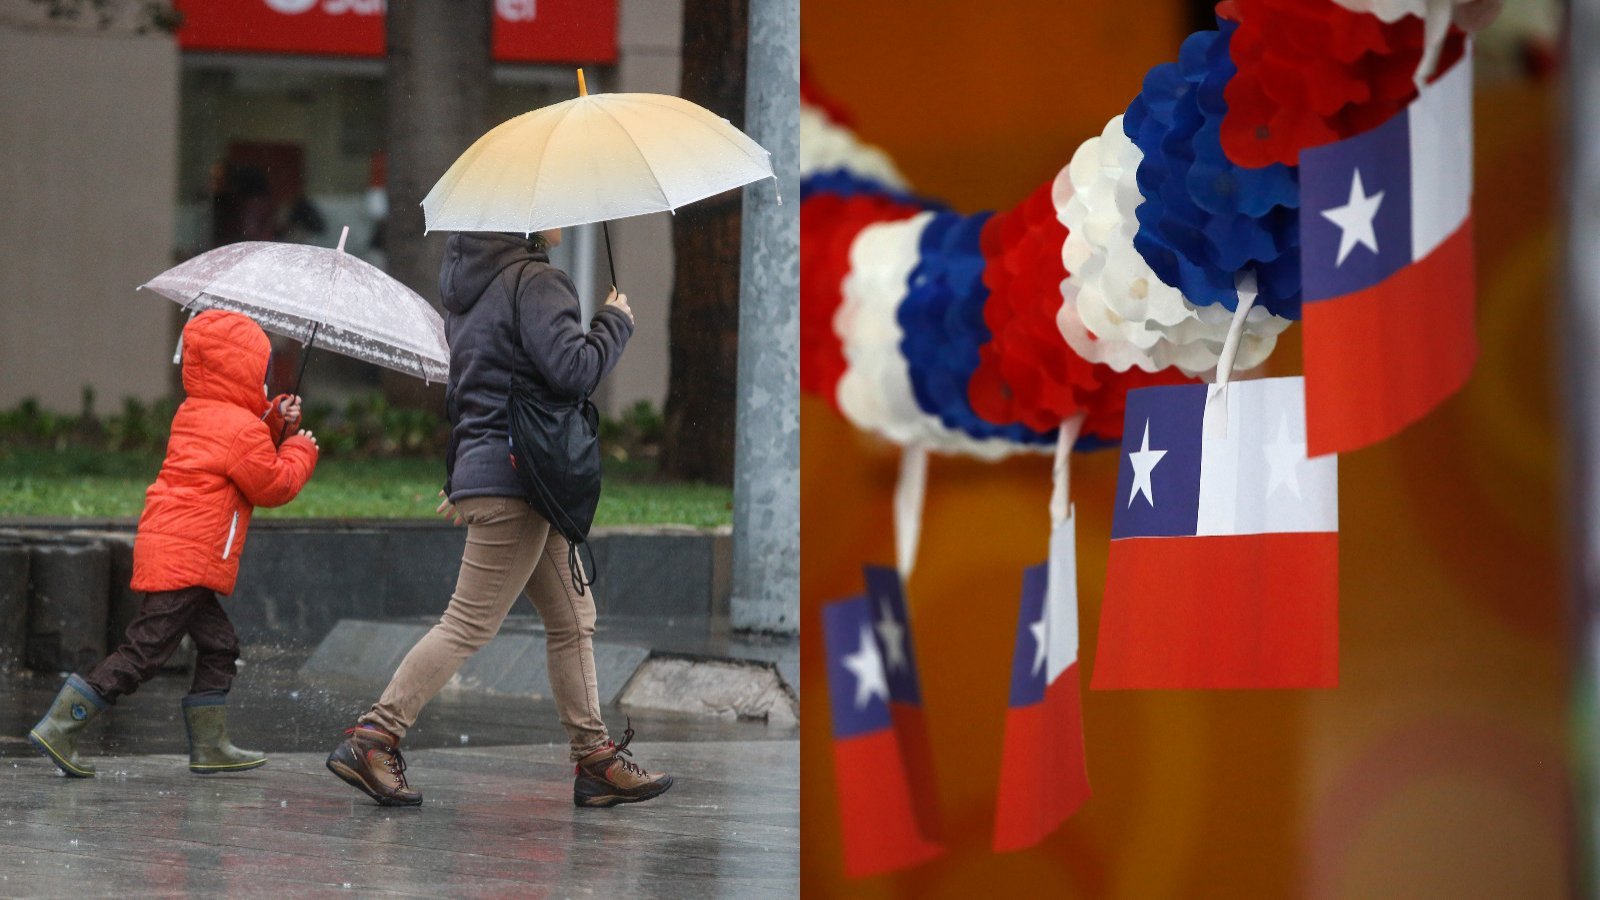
{"points": [[555, 450]]}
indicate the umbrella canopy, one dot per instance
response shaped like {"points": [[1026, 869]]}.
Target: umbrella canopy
{"points": [[592, 158], [314, 294]]}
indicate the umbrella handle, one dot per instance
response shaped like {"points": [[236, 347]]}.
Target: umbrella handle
{"points": [[300, 376], [610, 263]]}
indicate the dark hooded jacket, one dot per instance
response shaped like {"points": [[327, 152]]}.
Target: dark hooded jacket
{"points": [[480, 275]]}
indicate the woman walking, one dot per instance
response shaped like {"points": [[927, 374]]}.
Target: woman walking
{"points": [[510, 549]]}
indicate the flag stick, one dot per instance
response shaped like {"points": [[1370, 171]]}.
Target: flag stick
{"points": [[1061, 473], [908, 495], [1245, 284]]}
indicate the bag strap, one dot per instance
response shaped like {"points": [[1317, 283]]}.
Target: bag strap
{"points": [[581, 580]]}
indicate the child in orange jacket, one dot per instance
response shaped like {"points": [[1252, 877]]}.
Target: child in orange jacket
{"points": [[223, 460]]}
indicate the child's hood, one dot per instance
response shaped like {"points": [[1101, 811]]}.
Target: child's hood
{"points": [[225, 357]]}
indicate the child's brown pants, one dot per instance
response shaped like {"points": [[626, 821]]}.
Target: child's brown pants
{"points": [[164, 618]]}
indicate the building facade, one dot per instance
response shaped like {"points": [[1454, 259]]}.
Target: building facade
{"points": [[125, 149]]}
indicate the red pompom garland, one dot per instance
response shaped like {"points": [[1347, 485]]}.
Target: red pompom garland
{"points": [[1311, 72]]}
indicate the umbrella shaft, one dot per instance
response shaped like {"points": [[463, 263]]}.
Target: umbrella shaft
{"points": [[610, 263], [305, 357]]}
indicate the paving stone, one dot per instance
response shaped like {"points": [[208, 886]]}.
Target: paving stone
{"points": [[726, 689], [513, 663]]}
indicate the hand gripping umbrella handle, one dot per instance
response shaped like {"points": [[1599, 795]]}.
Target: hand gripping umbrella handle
{"points": [[305, 357]]}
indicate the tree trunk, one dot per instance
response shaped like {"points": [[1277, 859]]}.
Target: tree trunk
{"points": [[437, 94], [703, 325]]}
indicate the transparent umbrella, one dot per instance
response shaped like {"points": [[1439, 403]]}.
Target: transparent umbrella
{"points": [[317, 296]]}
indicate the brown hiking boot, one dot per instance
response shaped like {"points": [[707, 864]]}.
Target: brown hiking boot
{"points": [[607, 777], [369, 760]]}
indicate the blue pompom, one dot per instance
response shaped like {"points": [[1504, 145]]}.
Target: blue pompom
{"points": [[942, 317], [1203, 218], [848, 184]]}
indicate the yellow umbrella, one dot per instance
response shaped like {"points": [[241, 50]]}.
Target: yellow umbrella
{"points": [[593, 158]]}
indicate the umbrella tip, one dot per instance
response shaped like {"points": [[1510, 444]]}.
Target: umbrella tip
{"points": [[583, 88], [342, 235]]}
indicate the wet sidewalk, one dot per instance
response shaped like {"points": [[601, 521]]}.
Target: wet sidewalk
{"points": [[497, 821]]}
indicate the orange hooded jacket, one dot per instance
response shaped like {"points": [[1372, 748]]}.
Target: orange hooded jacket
{"points": [[222, 461]]}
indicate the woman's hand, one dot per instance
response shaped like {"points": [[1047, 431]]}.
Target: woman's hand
{"points": [[620, 301], [448, 510], [310, 437], [289, 408]]}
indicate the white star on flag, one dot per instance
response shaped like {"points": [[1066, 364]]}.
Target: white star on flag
{"points": [[1284, 456], [867, 666], [893, 635], [1041, 642], [1144, 462], [1355, 219]]}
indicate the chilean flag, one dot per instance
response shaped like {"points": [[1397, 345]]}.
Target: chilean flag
{"points": [[1386, 244], [892, 627], [878, 815], [1224, 563], [1043, 778]]}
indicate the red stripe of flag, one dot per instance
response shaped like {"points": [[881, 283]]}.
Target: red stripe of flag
{"points": [[1252, 611], [911, 727], [1381, 358], [1043, 775], [877, 809]]}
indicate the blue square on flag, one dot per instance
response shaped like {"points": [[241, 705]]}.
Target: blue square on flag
{"points": [[893, 630], [857, 686], [1028, 670], [1355, 211], [1158, 483]]}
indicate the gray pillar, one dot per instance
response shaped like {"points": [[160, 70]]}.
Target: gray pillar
{"points": [[1581, 328], [766, 473]]}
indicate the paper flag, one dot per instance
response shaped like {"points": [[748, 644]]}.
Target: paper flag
{"points": [[1224, 562], [891, 625], [878, 814], [1386, 230], [1043, 778]]}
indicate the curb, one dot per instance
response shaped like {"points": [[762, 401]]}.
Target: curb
{"points": [[513, 664]]}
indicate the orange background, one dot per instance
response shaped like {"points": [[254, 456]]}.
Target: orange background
{"points": [[1439, 765]]}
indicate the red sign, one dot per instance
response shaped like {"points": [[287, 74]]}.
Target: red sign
{"points": [[544, 31]]}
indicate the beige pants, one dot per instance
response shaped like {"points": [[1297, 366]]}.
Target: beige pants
{"points": [[511, 549]]}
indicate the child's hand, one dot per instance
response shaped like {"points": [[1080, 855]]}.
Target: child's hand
{"points": [[310, 437], [289, 408], [448, 510]]}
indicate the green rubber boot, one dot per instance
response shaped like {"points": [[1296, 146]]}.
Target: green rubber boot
{"points": [[210, 751], [56, 735]]}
